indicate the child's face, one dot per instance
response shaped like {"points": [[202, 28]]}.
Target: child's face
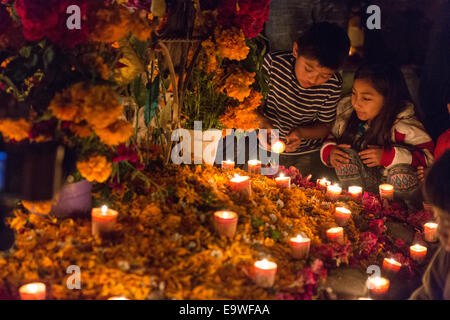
{"points": [[309, 72], [443, 228], [366, 101]]}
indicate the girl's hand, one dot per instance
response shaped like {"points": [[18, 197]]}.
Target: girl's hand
{"points": [[338, 157], [421, 172], [372, 157]]}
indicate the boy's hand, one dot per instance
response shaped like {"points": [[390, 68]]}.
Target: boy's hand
{"points": [[293, 141], [372, 157], [338, 157]]}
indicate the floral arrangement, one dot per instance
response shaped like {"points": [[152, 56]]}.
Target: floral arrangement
{"points": [[228, 81], [71, 85], [164, 244]]}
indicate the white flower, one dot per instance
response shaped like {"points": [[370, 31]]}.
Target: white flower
{"points": [[273, 217], [280, 204], [216, 254], [123, 265]]}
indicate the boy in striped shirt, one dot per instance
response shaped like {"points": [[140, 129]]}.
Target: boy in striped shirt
{"points": [[305, 87]]}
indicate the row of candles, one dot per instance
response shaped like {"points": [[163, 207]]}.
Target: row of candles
{"points": [[225, 223]]}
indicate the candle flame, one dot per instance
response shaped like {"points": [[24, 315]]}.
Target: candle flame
{"points": [[355, 189], [378, 281], [335, 230], [393, 261], [386, 187], [343, 210], [253, 162], [418, 248], [265, 264], [278, 147], [431, 225], [104, 209]]}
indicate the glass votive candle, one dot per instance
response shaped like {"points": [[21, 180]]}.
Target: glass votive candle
{"points": [[227, 164], [300, 247], [418, 253], [33, 291], [342, 215], [336, 234], [386, 191], [103, 220], [225, 223], [254, 166], [391, 265], [283, 181], [430, 231], [333, 192], [264, 273], [240, 184], [378, 286], [355, 191]]}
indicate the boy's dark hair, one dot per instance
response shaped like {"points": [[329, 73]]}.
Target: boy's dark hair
{"points": [[326, 42], [437, 183], [388, 80]]}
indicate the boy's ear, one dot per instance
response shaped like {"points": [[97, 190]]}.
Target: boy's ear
{"points": [[295, 50]]}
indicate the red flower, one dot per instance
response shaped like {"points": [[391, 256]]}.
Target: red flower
{"points": [[47, 18], [249, 15], [125, 153], [367, 242], [377, 226], [399, 243]]}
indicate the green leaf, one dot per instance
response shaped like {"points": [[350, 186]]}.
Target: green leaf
{"points": [[48, 56], [275, 234], [151, 106], [257, 222]]}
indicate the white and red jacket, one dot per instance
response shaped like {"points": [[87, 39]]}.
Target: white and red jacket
{"points": [[406, 129]]}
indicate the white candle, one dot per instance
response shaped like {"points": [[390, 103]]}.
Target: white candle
{"points": [[336, 234], [392, 265], [333, 192], [254, 166], [283, 182], [342, 216], [418, 253], [227, 164], [386, 191], [430, 231], [103, 220], [240, 184], [378, 286], [264, 273], [33, 291], [226, 223], [355, 191], [300, 247]]}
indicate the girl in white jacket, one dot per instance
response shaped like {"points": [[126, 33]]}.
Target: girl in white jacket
{"points": [[376, 138]]}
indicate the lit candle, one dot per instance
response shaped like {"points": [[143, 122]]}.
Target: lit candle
{"points": [[225, 223], [103, 219], [240, 184], [355, 191], [333, 192], [377, 286], [264, 273], [342, 215], [322, 183], [418, 253], [33, 291], [300, 247], [386, 191], [254, 166], [336, 234], [430, 230], [118, 298], [283, 182], [227, 164], [278, 147], [391, 265]]}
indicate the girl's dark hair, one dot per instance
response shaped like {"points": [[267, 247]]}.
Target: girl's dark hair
{"points": [[388, 80], [437, 183]]}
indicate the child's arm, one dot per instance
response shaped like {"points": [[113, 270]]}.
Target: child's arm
{"points": [[410, 132], [433, 282]]}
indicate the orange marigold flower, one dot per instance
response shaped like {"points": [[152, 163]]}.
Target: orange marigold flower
{"points": [[209, 61], [96, 168], [111, 24], [231, 44], [117, 132], [237, 85], [82, 131], [101, 107], [38, 207], [15, 129], [244, 116]]}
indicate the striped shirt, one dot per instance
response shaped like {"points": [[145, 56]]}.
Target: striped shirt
{"points": [[289, 105]]}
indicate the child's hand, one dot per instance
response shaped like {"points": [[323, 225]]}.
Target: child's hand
{"points": [[293, 141], [338, 157], [372, 157], [421, 172]]}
